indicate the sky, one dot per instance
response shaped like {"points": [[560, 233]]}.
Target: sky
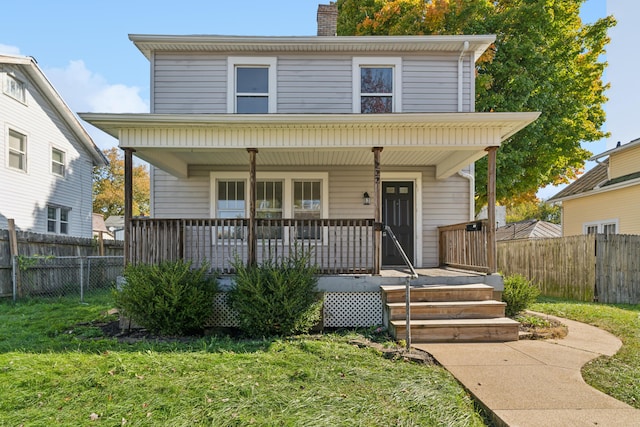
{"points": [[83, 48]]}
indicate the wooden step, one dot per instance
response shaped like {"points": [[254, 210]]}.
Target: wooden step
{"points": [[447, 310], [458, 330], [474, 292]]}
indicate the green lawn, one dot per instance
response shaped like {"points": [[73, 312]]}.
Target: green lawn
{"points": [[56, 368], [618, 376]]}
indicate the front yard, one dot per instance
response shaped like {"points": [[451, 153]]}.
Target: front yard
{"points": [[57, 367]]}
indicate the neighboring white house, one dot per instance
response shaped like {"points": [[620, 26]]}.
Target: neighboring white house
{"points": [[46, 156]]}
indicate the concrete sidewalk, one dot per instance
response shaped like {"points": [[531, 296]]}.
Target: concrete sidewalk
{"points": [[538, 383]]}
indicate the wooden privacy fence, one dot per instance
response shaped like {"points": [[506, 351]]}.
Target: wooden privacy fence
{"points": [[602, 268]]}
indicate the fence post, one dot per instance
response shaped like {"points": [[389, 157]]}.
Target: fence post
{"points": [[13, 252], [81, 279], [14, 275]]}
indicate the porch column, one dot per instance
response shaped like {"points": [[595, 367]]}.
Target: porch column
{"points": [[252, 241], [128, 202], [492, 248], [377, 239]]}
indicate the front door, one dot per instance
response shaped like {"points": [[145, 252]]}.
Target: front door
{"points": [[397, 213]]}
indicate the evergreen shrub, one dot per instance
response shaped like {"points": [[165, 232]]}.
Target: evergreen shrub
{"points": [[169, 298], [276, 298], [519, 293]]}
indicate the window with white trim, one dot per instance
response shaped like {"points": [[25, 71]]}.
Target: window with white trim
{"points": [[14, 88], [57, 162], [609, 226], [58, 220], [17, 150], [252, 85], [377, 85], [299, 195]]}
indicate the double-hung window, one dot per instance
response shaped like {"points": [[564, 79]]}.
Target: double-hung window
{"points": [[17, 151], [377, 85], [58, 220], [57, 162], [15, 88], [252, 85]]}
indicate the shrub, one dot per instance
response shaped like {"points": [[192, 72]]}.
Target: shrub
{"points": [[169, 298], [276, 298], [519, 293]]}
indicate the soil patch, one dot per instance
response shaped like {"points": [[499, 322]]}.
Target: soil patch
{"points": [[536, 327]]}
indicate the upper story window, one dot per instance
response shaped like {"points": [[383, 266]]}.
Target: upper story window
{"points": [[58, 220], [252, 85], [17, 151], [14, 88], [57, 162], [377, 85]]}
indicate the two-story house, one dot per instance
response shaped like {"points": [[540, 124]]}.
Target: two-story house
{"points": [[46, 156], [261, 144], [606, 199]]}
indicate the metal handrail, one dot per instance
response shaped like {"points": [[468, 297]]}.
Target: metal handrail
{"points": [[413, 275]]}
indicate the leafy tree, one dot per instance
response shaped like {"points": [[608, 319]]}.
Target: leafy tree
{"points": [[108, 186], [533, 209], [544, 59]]}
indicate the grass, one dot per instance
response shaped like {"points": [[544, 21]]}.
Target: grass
{"points": [[56, 368], [619, 375]]}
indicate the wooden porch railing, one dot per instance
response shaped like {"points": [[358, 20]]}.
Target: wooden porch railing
{"points": [[337, 246], [464, 245]]}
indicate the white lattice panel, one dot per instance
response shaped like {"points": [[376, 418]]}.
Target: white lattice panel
{"points": [[352, 309], [223, 316]]}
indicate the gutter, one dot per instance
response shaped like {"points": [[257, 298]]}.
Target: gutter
{"points": [[472, 191]]}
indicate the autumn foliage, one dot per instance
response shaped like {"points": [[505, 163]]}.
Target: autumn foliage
{"points": [[108, 186]]}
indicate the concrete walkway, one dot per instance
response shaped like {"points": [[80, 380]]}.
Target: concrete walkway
{"points": [[538, 383]]}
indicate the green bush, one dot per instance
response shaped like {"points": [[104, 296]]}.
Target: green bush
{"points": [[276, 299], [169, 298], [519, 293]]}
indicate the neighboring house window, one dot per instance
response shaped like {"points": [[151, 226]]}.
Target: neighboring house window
{"points": [[14, 88], [58, 220], [57, 162], [609, 226], [377, 85], [252, 85], [17, 150]]}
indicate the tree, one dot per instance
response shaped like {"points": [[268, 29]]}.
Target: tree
{"points": [[534, 209], [544, 59], [108, 186]]}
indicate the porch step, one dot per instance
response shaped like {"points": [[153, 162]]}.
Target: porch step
{"points": [[455, 313], [457, 330], [486, 309], [473, 292]]}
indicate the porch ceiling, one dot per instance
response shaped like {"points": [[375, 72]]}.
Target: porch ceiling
{"points": [[448, 141]]}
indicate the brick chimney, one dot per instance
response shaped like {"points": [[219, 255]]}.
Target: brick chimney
{"points": [[327, 19]]}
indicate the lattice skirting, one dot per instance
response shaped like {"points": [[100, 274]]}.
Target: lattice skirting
{"points": [[341, 310]]}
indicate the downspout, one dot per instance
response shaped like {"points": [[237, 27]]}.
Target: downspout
{"points": [[472, 191], [465, 47]]}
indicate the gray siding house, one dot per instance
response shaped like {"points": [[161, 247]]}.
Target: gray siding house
{"points": [[262, 144], [46, 156]]}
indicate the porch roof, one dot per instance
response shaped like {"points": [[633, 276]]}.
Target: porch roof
{"points": [[448, 141]]}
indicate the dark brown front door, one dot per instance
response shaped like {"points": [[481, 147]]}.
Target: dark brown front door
{"points": [[397, 213]]}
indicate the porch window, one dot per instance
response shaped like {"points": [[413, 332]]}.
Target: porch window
{"points": [[269, 205], [231, 204], [17, 151], [377, 85], [57, 162], [252, 85], [307, 203], [14, 88], [57, 220]]}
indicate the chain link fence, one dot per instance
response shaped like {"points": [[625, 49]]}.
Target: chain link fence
{"points": [[49, 276]]}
